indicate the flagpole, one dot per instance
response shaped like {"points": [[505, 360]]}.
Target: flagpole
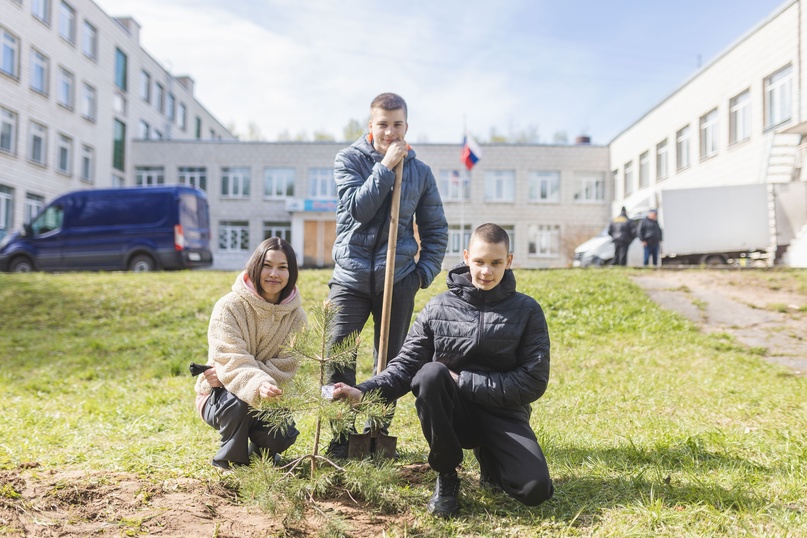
{"points": [[462, 192]]}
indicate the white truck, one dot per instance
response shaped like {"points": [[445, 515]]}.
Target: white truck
{"points": [[704, 225]]}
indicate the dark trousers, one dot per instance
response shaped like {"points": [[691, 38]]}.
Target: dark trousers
{"points": [[620, 253], [651, 251], [354, 311], [356, 308], [242, 432], [506, 447]]}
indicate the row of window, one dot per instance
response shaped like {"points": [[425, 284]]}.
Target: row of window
{"points": [[777, 106], [67, 22], [500, 185], [33, 204], [37, 147], [543, 240]]}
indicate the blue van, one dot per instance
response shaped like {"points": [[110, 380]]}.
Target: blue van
{"points": [[139, 229]]}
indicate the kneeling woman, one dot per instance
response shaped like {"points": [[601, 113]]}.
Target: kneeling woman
{"points": [[246, 334]]}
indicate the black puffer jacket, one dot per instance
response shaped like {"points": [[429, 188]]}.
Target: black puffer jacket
{"points": [[496, 340]]}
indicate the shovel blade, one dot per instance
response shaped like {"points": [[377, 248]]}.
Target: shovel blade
{"points": [[364, 445]]}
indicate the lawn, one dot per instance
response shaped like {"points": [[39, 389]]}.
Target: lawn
{"points": [[650, 428]]}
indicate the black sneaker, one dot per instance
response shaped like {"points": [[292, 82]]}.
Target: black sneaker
{"points": [[337, 449], [444, 503]]}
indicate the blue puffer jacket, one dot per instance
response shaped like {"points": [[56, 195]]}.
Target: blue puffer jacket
{"points": [[364, 186], [496, 340]]}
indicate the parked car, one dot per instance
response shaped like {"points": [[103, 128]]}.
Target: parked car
{"points": [[139, 229]]}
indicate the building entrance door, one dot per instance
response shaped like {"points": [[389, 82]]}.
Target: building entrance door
{"points": [[319, 237]]}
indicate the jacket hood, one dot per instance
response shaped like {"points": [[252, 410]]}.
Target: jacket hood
{"points": [[244, 288], [459, 282], [364, 145]]}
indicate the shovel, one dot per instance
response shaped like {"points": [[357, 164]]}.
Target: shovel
{"points": [[362, 445]]}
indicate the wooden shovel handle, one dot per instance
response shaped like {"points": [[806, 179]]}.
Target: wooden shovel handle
{"points": [[389, 276]]}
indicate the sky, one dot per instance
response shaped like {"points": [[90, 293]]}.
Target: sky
{"points": [[546, 67]]}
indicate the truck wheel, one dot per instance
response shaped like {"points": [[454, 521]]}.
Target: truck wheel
{"points": [[714, 260], [142, 263], [21, 264]]}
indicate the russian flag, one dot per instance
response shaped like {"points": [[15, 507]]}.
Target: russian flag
{"points": [[470, 152]]}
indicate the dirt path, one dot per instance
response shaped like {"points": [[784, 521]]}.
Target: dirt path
{"points": [[757, 315]]}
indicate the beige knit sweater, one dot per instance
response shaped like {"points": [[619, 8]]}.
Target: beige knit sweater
{"points": [[245, 339]]}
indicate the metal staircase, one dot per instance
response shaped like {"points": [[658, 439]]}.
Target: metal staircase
{"points": [[781, 164]]}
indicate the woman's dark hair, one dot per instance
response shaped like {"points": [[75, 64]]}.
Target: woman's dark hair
{"points": [[255, 264]]}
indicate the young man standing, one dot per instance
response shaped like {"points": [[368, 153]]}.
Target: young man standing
{"points": [[364, 175], [476, 358]]}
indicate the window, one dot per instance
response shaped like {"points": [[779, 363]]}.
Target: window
{"points": [[321, 183], [591, 187], [644, 170], [145, 86], [41, 10], [182, 114], [159, 97], [458, 238], [118, 145], [39, 72], [67, 22], [453, 185], [8, 131], [118, 181], [708, 127], [143, 130], [195, 176], [148, 176], [170, 107], [235, 182], [65, 91], [544, 240], [544, 186], [277, 229], [511, 234], [500, 185], [6, 208], [89, 102], [156, 134], [740, 117], [682, 148], [64, 155], [628, 186], [198, 128], [33, 205], [89, 41], [88, 164], [38, 143], [662, 165], [778, 95], [278, 182], [234, 236], [120, 69], [9, 64]]}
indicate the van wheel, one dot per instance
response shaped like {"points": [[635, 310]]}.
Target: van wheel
{"points": [[713, 260], [21, 265], [142, 263]]}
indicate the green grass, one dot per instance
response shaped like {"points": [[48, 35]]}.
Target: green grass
{"points": [[650, 428]]}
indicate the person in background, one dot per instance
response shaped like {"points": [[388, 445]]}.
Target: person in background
{"points": [[247, 330], [475, 359], [649, 232], [622, 231], [364, 175]]}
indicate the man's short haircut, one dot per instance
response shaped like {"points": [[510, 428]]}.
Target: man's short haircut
{"points": [[390, 101], [493, 234], [255, 264]]}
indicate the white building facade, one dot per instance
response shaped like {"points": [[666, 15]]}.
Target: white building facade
{"points": [[549, 198], [76, 88], [738, 121]]}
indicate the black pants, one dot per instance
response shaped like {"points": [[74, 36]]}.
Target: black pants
{"points": [[507, 446], [238, 424], [620, 253]]}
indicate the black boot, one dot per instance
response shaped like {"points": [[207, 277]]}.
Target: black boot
{"points": [[444, 502]]}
